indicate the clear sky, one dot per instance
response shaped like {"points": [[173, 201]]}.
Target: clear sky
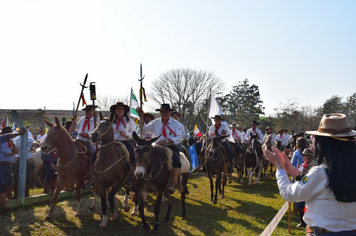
{"points": [[290, 49]]}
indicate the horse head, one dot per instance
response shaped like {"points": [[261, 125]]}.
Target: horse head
{"points": [[142, 154], [103, 130], [216, 143], [268, 142], [53, 139]]}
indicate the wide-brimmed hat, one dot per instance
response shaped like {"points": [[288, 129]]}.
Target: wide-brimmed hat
{"points": [[307, 151], [149, 114], [126, 107], [300, 133], [165, 107], [176, 112], [335, 124], [254, 123], [89, 108], [234, 125], [280, 130], [267, 128], [285, 130], [218, 117], [6, 130]]}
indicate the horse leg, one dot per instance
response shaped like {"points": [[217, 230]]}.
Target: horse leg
{"points": [[169, 201], [126, 201], [141, 209], [157, 210], [258, 174], [224, 180], [111, 200], [211, 187], [55, 198], [249, 174], [78, 195], [102, 193], [136, 198], [241, 175], [93, 204], [217, 187]]}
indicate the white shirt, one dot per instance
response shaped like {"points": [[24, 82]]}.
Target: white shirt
{"points": [[254, 132], [288, 138], [236, 135], [129, 128], [80, 125], [282, 138], [323, 210], [17, 142], [156, 128], [222, 127]]}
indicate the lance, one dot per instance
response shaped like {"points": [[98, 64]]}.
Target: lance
{"points": [[93, 98], [80, 95], [141, 93]]}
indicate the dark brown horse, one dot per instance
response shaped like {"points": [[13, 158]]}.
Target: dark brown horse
{"points": [[216, 165], [153, 175], [237, 151], [72, 164], [252, 161], [111, 168]]}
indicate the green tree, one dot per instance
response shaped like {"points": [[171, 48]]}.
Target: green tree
{"points": [[332, 105], [243, 104]]}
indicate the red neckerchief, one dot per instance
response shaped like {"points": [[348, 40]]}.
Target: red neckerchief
{"points": [[9, 144], [280, 137], [164, 130], [54, 154], [254, 131], [86, 122], [305, 164], [217, 127], [234, 134], [120, 121]]}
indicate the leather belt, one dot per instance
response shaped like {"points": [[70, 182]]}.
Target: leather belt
{"points": [[310, 230]]}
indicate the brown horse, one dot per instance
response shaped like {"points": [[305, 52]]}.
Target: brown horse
{"points": [[252, 162], [153, 175], [72, 164], [111, 168], [237, 151], [216, 164]]}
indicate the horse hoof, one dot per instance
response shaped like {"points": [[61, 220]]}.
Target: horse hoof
{"points": [[102, 226], [115, 217], [215, 201], [222, 196], [48, 218], [211, 199], [184, 218], [127, 209], [229, 181], [77, 215]]}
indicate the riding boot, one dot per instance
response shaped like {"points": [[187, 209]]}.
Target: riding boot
{"points": [[46, 187], [174, 180], [302, 224], [9, 192], [3, 203], [53, 183]]}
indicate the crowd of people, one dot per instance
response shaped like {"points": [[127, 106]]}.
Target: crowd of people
{"points": [[321, 165]]}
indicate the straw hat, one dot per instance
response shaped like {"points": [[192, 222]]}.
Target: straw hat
{"points": [[334, 125], [234, 125], [148, 114]]}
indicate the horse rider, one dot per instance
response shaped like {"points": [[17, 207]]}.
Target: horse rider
{"points": [[255, 132], [123, 127], [236, 134], [287, 137], [5, 168], [269, 132], [281, 138], [147, 118], [171, 133], [221, 128], [85, 126]]}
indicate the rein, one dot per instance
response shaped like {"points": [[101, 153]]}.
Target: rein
{"points": [[111, 166], [148, 177]]}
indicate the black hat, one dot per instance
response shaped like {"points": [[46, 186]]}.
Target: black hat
{"points": [[89, 108], [126, 107], [301, 134], [218, 117], [285, 130], [165, 107], [255, 122], [6, 130]]}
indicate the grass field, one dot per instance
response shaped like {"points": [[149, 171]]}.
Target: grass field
{"points": [[244, 211]]}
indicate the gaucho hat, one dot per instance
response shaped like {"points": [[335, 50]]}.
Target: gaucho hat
{"points": [[334, 125], [165, 107], [6, 130], [126, 107], [307, 151], [218, 117], [149, 114], [254, 123], [89, 108]]}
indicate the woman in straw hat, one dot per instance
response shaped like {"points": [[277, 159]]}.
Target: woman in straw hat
{"points": [[327, 184]]}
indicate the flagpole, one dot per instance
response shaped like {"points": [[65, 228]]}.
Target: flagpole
{"points": [[44, 118], [140, 94], [207, 120], [80, 95]]}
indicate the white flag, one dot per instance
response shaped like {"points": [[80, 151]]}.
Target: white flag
{"points": [[214, 108], [133, 105]]}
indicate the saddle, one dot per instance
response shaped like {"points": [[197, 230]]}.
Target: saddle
{"points": [[122, 150], [84, 148], [166, 152]]}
